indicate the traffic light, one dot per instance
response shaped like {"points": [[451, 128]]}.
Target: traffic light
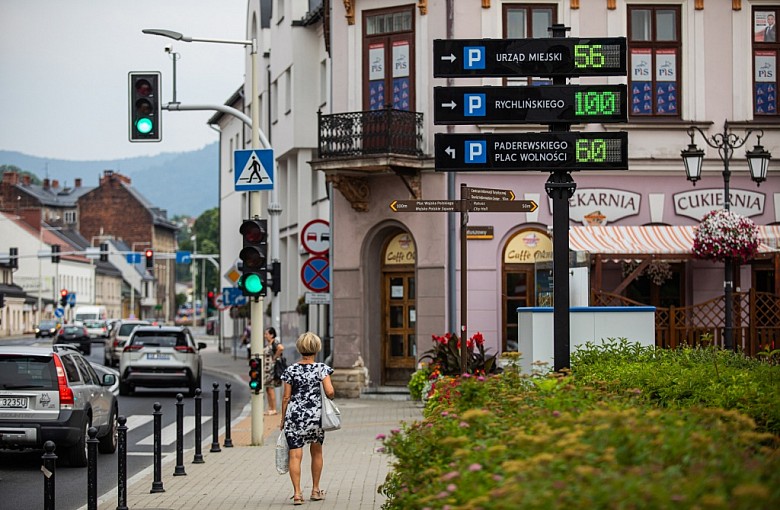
{"points": [[254, 280], [211, 303], [103, 252], [255, 375], [13, 261], [149, 254], [63, 297], [276, 277], [145, 101], [55, 253]]}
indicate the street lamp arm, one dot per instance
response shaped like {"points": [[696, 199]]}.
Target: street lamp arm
{"points": [[726, 141], [178, 36]]}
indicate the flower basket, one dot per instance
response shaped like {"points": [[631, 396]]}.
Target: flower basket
{"points": [[724, 235]]}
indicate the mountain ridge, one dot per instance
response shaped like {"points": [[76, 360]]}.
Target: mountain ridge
{"points": [[194, 175]]}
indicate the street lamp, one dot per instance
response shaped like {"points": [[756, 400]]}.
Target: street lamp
{"points": [[758, 161], [255, 209]]}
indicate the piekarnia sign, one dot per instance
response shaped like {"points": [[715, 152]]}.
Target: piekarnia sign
{"points": [[531, 151]]}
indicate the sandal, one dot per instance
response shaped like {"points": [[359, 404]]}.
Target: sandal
{"points": [[270, 413], [297, 499], [317, 495]]}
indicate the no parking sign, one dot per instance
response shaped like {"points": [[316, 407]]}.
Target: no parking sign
{"points": [[315, 274]]}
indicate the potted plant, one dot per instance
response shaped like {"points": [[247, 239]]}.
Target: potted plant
{"points": [[724, 235]]}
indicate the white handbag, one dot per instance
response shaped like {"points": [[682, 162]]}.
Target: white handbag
{"points": [[331, 416]]}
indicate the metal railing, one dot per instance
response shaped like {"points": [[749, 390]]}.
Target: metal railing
{"points": [[386, 131]]}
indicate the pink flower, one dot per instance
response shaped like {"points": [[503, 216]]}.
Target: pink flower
{"points": [[452, 487], [395, 431], [463, 424], [475, 467], [380, 437], [449, 476]]}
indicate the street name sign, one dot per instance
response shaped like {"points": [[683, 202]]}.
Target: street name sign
{"points": [[527, 206], [531, 151], [544, 57], [483, 233], [490, 205], [530, 105], [490, 194]]}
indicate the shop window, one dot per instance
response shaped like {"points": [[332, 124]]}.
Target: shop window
{"points": [[388, 59], [654, 57], [765, 49], [528, 21]]}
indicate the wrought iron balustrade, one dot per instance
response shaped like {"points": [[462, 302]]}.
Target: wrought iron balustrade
{"points": [[372, 132]]}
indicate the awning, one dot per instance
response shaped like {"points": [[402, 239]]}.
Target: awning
{"points": [[652, 239]]}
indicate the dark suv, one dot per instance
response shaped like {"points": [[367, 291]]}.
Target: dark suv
{"points": [[53, 393]]}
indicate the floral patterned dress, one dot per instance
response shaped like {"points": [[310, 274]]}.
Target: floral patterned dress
{"points": [[302, 423]]}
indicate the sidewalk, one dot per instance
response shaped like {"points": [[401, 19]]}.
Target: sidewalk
{"points": [[245, 476]]}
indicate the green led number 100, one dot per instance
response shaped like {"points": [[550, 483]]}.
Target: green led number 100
{"points": [[588, 56], [591, 150], [595, 103]]}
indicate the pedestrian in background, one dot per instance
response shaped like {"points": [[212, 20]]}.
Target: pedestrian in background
{"points": [[271, 352], [301, 412], [246, 339]]}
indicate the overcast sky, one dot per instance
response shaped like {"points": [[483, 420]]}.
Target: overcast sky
{"points": [[64, 65]]}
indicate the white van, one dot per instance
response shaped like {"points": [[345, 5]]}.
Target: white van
{"points": [[90, 313]]}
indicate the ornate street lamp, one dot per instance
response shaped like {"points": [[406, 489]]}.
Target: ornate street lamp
{"points": [[758, 161]]}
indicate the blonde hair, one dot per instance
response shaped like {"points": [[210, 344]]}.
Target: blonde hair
{"points": [[308, 344]]}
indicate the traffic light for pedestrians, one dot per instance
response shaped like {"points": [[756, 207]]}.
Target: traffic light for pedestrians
{"points": [[145, 101], [63, 297], [276, 277], [55, 253], [103, 252], [253, 281], [255, 375], [149, 254], [211, 303]]}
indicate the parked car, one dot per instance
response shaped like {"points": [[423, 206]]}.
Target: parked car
{"points": [[103, 370], [75, 334], [119, 334], [47, 328], [54, 394], [97, 329], [160, 357]]}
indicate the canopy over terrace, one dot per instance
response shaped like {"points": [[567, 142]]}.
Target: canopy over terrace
{"points": [[653, 242]]}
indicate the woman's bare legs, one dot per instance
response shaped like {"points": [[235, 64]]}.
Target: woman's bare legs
{"points": [[316, 466], [296, 455], [270, 393]]}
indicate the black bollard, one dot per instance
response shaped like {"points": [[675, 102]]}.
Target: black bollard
{"points": [[157, 485], [228, 441], [49, 468], [215, 419], [198, 439], [92, 445], [179, 469], [121, 462]]}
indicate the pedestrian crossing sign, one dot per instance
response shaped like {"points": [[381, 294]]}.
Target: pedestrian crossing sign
{"points": [[254, 169]]}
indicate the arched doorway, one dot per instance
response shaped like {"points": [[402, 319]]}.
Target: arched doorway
{"points": [[399, 310], [526, 279]]}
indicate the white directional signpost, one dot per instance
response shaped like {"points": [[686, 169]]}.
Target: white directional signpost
{"points": [[557, 151]]}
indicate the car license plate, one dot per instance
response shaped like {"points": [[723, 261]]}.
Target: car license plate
{"points": [[13, 402], [157, 355]]}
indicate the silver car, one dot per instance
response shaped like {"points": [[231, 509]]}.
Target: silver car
{"points": [[160, 357], [120, 332], [53, 393]]}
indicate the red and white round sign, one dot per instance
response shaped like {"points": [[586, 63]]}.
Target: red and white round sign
{"points": [[315, 237]]}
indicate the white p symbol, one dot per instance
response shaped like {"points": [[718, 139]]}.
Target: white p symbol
{"points": [[475, 103], [475, 151], [474, 55]]}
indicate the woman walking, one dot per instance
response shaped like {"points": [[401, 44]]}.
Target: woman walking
{"points": [[301, 411], [271, 352]]}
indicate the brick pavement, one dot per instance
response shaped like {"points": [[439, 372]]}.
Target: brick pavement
{"points": [[245, 476]]}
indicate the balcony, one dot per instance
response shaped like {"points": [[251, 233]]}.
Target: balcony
{"points": [[354, 146]]}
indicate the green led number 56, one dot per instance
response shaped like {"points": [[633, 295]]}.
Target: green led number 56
{"points": [[587, 55]]}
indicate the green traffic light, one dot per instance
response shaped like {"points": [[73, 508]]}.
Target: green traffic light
{"points": [[144, 125], [254, 385], [251, 283]]}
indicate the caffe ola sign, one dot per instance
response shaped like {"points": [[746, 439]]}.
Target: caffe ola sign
{"points": [[695, 204], [599, 206]]}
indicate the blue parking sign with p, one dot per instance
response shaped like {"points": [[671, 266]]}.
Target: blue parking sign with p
{"points": [[474, 57], [474, 105], [475, 151]]}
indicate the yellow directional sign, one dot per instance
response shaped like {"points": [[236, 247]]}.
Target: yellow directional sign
{"points": [[490, 194]]}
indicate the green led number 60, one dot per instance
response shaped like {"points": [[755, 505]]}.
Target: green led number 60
{"points": [[587, 55], [591, 150]]}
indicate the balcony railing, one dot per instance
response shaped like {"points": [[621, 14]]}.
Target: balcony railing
{"points": [[373, 132]]}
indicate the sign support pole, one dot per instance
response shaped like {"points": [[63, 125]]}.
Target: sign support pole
{"points": [[465, 195], [560, 187]]}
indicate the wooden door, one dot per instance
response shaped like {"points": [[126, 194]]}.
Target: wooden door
{"points": [[398, 327]]}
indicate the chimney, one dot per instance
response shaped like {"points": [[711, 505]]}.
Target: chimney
{"points": [[46, 183], [10, 178], [78, 182], [26, 180], [55, 183]]}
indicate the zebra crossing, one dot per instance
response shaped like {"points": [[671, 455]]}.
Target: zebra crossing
{"points": [[167, 433]]}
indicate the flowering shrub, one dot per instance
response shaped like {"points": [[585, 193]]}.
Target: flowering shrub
{"points": [[445, 355], [724, 235]]}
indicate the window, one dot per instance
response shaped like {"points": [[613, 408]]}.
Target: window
{"points": [[528, 22], [323, 82], [388, 39], [654, 56], [274, 101], [765, 48], [287, 91]]}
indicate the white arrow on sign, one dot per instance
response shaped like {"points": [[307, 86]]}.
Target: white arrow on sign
{"points": [[450, 151], [449, 57], [451, 105]]}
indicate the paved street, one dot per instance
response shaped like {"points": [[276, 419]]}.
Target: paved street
{"points": [[245, 476]]}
